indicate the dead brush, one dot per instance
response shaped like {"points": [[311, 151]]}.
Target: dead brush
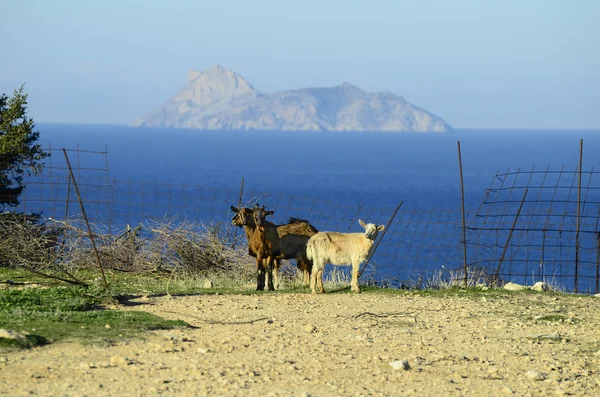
{"points": [[28, 243], [191, 249]]}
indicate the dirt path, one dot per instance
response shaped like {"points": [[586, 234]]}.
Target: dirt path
{"points": [[329, 345]]}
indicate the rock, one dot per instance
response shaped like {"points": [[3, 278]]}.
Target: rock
{"points": [[310, 329], [535, 375], [554, 337], [540, 286], [107, 326], [514, 287], [10, 334], [597, 295], [208, 284], [118, 361], [400, 364]]}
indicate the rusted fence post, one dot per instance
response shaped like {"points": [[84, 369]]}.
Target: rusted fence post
{"points": [[597, 261], [68, 198], [86, 220], [464, 223], [372, 251], [512, 229], [578, 217]]}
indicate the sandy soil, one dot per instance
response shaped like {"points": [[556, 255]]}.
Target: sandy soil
{"points": [[339, 344]]}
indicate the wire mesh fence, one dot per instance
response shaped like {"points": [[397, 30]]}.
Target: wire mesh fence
{"points": [[541, 225], [551, 233]]}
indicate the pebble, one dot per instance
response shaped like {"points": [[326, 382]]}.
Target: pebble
{"points": [[535, 375], [400, 364], [118, 361]]}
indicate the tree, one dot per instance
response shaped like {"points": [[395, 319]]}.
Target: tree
{"points": [[19, 153]]}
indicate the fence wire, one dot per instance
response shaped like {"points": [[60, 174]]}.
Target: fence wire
{"points": [[554, 238]]}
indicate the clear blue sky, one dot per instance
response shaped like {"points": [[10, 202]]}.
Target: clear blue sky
{"points": [[476, 63]]}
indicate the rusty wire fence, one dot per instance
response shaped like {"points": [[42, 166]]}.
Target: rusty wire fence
{"points": [[551, 233]]}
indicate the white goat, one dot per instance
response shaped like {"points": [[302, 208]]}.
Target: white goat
{"points": [[340, 249]]}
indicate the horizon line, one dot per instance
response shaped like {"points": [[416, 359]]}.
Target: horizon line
{"points": [[437, 133]]}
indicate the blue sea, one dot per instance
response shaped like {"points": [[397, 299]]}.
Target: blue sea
{"points": [[315, 175]]}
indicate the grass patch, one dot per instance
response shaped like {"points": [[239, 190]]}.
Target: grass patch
{"points": [[44, 315], [86, 326]]}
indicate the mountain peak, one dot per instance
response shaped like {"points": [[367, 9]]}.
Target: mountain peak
{"points": [[213, 72], [348, 86], [214, 84]]}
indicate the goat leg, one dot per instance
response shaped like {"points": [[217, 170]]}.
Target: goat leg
{"points": [[260, 277], [276, 273], [354, 284], [270, 273], [320, 279]]}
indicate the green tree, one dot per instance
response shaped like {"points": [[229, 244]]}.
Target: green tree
{"points": [[19, 153]]}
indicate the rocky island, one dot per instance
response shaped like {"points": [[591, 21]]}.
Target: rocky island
{"points": [[220, 99]]}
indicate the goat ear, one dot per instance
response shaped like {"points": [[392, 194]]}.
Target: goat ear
{"points": [[269, 213], [362, 223], [236, 210], [381, 227]]}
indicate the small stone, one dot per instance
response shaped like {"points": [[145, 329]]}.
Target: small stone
{"points": [[118, 361], [203, 350], [535, 375], [107, 326], [597, 295], [400, 364], [553, 337], [310, 329], [208, 284], [540, 286], [3, 360]]}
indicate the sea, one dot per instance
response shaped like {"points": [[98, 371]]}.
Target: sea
{"points": [[314, 174]]}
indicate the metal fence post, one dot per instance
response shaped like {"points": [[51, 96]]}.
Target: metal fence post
{"points": [[86, 220], [464, 223], [578, 217], [510, 234]]}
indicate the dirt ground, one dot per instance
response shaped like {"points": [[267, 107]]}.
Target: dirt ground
{"points": [[338, 344]]}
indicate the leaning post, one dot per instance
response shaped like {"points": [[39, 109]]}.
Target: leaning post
{"points": [[464, 223]]}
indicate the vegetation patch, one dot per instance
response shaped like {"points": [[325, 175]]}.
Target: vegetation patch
{"points": [[43, 315]]}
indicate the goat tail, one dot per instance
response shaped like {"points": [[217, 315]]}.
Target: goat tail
{"points": [[310, 254]]}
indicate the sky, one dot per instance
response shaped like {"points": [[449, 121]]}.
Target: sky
{"points": [[495, 64]]}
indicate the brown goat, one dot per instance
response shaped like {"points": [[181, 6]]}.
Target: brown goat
{"points": [[289, 240], [263, 247]]}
